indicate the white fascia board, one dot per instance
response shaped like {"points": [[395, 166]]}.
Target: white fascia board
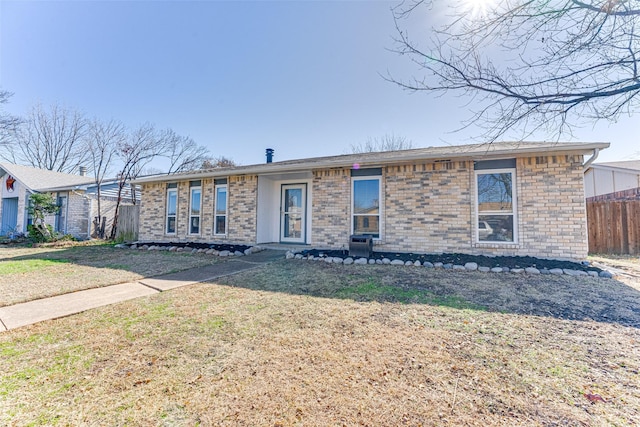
{"points": [[389, 158]]}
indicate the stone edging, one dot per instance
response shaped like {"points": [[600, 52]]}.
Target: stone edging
{"points": [[186, 248], [469, 266]]}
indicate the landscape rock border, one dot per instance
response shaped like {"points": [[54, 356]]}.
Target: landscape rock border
{"points": [[215, 249], [461, 262]]}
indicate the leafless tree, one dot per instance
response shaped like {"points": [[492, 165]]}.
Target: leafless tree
{"points": [[532, 66], [8, 122], [218, 162], [52, 138], [183, 152], [103, 140], [135, 152], [384, 143]]}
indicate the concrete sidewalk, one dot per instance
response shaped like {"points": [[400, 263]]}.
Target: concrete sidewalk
{"points": [[15, 316]]}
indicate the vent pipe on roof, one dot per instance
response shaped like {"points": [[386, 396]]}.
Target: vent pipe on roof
{"points": [[270, 155], [83, 170]]}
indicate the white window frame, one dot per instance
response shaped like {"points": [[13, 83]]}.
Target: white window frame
{"points": [[199, 216], [380, 201], [513, 212], [175, 215], [226, 211]]}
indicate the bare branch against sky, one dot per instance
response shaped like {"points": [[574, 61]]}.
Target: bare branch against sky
{"points": [[530, 66]]}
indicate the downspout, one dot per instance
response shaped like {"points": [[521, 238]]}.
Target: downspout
{"points": [[586, 164]]}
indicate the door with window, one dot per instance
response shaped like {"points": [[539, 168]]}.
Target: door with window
{"points": [[61, 216], [293, 213], [9, 215]]}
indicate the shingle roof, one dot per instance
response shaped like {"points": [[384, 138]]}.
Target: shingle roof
{"points": [[42, 180], [473, 151], [633, 165]]}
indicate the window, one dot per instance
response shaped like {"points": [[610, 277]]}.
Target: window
{"points": [[221, 210], [61, 215], [194, 207], [496, 205], [172, 205], [366, 206]]}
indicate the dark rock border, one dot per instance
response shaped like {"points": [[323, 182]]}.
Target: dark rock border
{"points": [[217, 249], [498, 264]]}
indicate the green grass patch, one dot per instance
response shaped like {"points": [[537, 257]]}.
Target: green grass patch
{"points": [[29, 265], [372, 290]]}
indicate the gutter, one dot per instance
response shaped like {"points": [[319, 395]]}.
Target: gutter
{"points": [[586, 164], [375, 160]]}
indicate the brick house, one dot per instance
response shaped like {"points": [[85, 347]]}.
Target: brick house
{"points": [[508, 198], [75, 194]]}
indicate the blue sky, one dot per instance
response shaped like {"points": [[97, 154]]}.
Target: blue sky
{"points": [[302, 77]]}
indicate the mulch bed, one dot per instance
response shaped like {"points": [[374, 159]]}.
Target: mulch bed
{"points": [[462, 259]]}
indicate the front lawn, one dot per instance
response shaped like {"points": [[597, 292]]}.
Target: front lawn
{"points": [[28, 273], [308, 343]]}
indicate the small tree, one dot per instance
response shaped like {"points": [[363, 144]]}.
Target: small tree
{"points": [[41, 205]]}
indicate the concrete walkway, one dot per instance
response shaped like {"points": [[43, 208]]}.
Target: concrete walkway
{"points": [[15, 316]]}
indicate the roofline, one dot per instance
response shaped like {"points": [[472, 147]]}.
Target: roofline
{"points": [[613, 168], [393, 157]]}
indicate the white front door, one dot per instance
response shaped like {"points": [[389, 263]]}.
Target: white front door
{"points": [[293, 213]]}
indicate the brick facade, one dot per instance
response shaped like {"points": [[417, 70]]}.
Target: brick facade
{"points": [[78, 210], [552, 214], [331, 208], [428, 207], [242, 214]]}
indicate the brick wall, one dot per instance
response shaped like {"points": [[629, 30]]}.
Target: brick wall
{"points": [[152, 212], [242, 204], [331, 211], [242, 216], [78, 210], [551, 207], [428, 207]]}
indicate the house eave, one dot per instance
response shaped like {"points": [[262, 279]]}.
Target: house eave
{"points": [[458, 153]]}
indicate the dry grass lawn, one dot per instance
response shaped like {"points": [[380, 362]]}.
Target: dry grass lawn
{"points": [[300, 343], [28, 273]]}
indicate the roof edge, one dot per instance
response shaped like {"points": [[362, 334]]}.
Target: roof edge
{"points": [[392, 157]]}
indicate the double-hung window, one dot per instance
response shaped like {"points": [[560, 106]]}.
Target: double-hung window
{"points": [[365, 202], [496, 205], [220, 217], [195, 206], [172, 208]]}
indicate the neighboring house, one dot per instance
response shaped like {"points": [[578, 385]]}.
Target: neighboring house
{"points": [[613, 179], [509, 198], [75, 194]]}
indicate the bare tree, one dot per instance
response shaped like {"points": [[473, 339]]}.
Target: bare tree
{"points": [[103, 139], [8, 122], [183, 152], [135, 152], [52, 139], [217, 163], [528, 65], [384, 143]]}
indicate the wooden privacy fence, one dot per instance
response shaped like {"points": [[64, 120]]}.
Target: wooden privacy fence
{"points": [[128, 221], [614, 226]]}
